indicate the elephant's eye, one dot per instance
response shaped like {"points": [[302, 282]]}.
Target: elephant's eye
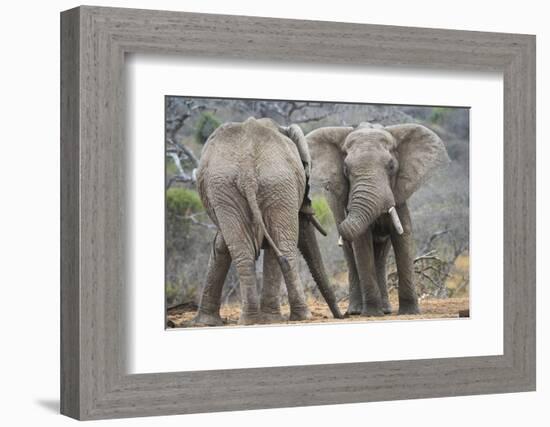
{"points": [[391, 166], [346, 172]]}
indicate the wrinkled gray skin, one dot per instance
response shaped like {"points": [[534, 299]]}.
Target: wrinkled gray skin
{"points": [[365, 171], [252, 181]]}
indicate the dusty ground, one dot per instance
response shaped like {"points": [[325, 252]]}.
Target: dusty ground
{"points": [[431, 309]]}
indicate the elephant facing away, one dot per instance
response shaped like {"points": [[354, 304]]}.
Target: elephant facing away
{"points": [[252, 181], [369, 172]]}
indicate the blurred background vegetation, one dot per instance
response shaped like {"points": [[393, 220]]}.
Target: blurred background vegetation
{"points": [[440, 209]]}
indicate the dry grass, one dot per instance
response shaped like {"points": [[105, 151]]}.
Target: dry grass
{"points": [[431, 308], [459, 278]]}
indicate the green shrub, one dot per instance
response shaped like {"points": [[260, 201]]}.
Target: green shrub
{"points": [[322, 211], [182, 201], [207, 124], [439, 115], [172, 293]]}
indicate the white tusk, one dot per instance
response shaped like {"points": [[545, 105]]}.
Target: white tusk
{"points": [[395, 220], [340, 241]]}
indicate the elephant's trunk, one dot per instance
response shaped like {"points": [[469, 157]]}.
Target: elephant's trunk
{"points": [[307, 243], [352, 227], [368, 200]]}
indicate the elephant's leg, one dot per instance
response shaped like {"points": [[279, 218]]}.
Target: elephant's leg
{"points": [[270, 302], [283, 228], [246, 270], [289, 268], [370, 292], [296, 297], [381, 250], [355, 300], [241, 248], [403, 248], [218, 265]]}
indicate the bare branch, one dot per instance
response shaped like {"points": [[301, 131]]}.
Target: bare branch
{"points": [[427, 256], [177, 161], [186, 151], [180, 121], [311, 119], [177, 153], [194, 220], [178, 178], [295, 107], [434, 236], [427, 276]]}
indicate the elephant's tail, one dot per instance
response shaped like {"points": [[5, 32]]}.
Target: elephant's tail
{"points": [[250, 195]]}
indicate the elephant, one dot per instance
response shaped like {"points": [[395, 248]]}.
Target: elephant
{"points": [[368, 173], [253, 179]]}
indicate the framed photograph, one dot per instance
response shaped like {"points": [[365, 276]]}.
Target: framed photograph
{"points": [[261, 213], [440, 272]]}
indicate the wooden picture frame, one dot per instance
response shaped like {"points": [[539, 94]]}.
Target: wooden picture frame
{"points": [[94, 41]]}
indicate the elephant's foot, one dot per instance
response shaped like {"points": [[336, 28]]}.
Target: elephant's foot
{"points": [[408, 308], [270, 311], [300, 313], [372, 311], [354, 308], [207, 319], [251, 318], [271, 317], [386, 307]]}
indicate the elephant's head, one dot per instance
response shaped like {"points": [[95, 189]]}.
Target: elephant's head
{"points": [[382, 167]]}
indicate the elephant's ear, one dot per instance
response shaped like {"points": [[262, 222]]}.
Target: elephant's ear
{"points": [[420, 153], [327, 160], [295, 134]]}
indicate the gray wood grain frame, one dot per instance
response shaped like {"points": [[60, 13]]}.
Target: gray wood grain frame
{"points": [[94, 41]]}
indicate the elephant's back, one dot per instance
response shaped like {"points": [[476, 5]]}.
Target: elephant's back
{"points": [[254, 153], [250, 140], [253, 144], [225, 145], [279, 169]]}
